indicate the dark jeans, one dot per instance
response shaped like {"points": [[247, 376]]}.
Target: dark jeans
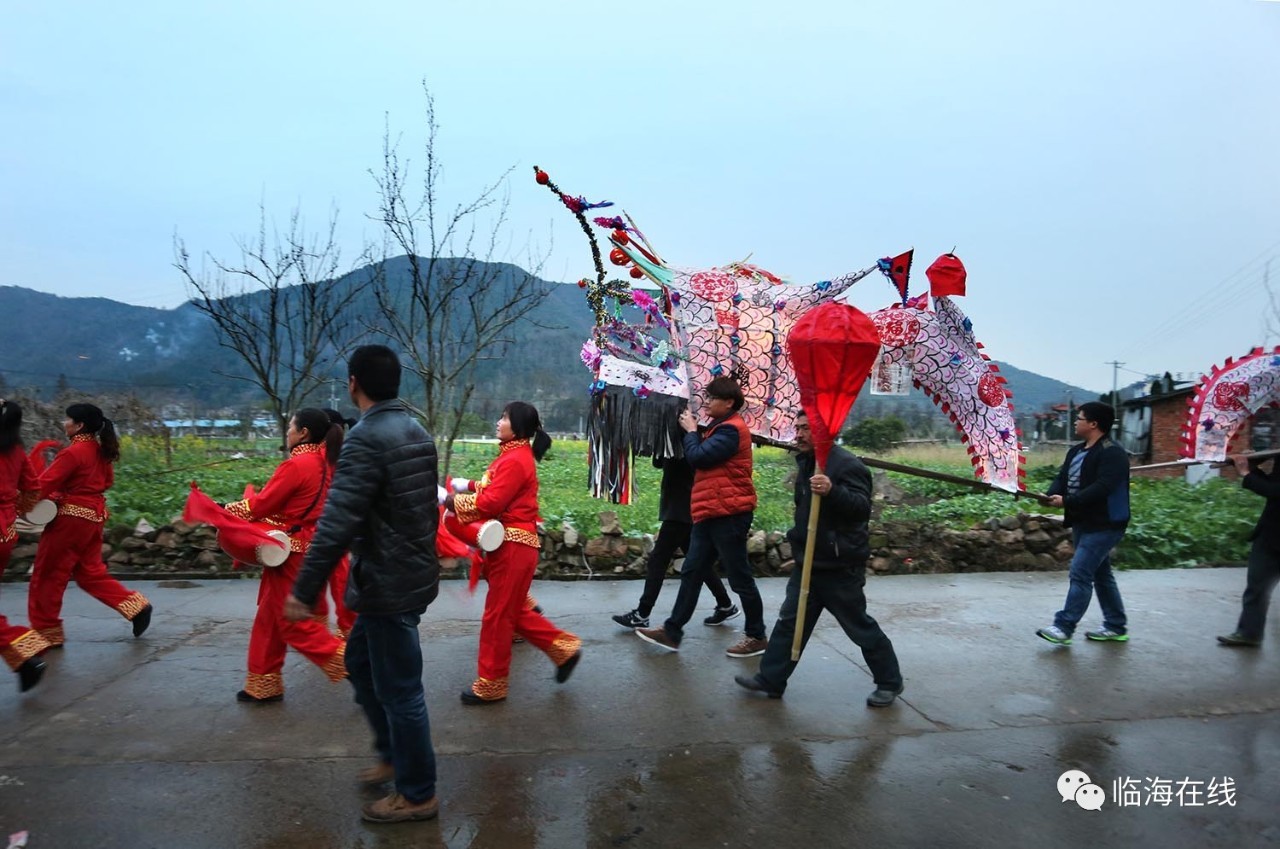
{"points": [[724, 537], [673, 536], [1090, 568], [840, 592], [1261, 579], [384, 662]]}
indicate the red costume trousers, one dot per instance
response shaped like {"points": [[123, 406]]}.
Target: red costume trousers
{"points": [[71, 548], [509, 572], [338, 589], [272, 633], [18, 643]]}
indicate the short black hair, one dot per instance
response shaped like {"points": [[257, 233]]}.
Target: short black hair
{"points": [[1103, 415], [376, 369], [726, 389]]}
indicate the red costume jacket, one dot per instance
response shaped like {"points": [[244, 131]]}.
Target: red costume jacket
{"points": [[508, 492], [78, 479], [19, 489], [294, 497]]}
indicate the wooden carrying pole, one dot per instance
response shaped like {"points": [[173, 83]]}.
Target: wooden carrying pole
{"points": [[1213, 464], [815, 504], [920, 473], [943, 476]]}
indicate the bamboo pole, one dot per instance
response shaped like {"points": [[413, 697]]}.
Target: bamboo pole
{"points": [[1213, 464], [943, 476], [920, 473], [815, 504]]}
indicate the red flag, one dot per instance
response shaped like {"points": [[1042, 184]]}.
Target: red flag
{"points": [[237, 537], [898, 270], [37, 454], [832, 347], [946, 276], [448, 543]]}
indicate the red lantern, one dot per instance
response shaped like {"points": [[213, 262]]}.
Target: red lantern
{"points": [[582, 284], [618, 256], [832, 348], [621, 237], [636, 273], [542, 177]]}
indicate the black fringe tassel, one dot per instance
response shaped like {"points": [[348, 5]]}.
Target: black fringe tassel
{"points": [[622, 426]]}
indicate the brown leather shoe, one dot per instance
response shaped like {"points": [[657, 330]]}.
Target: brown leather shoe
{"points": [[747, 647], [379, 773], [396, 808], [658, 637]]}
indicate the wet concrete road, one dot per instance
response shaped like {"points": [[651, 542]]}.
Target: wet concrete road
{"points": [[139, 743]]}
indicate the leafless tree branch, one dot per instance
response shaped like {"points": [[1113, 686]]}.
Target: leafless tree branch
{"points": [[457, 300]]}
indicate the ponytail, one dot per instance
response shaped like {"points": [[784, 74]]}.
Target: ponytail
{"points": [[10, 425], [541, 443], [333, 439], [108, 442], [333, 445]]}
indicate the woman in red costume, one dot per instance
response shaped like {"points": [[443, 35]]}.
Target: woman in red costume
{"points": [[291, 501], [508, 492], [338, 577], [19, 490], [71, 546]]}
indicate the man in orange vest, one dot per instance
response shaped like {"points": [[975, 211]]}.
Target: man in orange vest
{"points": [[722, 505]]}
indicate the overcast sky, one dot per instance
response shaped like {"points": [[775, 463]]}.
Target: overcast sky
{"points": [[1108, 170]]}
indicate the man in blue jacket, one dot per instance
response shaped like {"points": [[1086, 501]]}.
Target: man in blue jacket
{"points": [[840, 554], [1264, 555], [382, 508], [1092, 487]]}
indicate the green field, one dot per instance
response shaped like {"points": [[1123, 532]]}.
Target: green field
{"points": [[1173, 524]]}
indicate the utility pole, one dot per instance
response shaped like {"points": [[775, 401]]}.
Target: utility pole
{"points": [[1115, 381]]}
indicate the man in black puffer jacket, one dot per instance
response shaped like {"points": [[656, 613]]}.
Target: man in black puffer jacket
{"points": [[382, 507], [840, 555]]}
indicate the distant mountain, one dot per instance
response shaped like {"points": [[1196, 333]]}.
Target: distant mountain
{"points": [[101, 346]]}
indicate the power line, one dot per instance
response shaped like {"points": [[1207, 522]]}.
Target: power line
{"points": [[1221, 296]]}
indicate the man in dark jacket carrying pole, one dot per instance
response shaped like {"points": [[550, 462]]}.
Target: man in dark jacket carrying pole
{"points": [[382, 507], [1092, 487], [1264, 554], [839, 573]]}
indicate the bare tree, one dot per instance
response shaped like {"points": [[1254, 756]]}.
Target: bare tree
{"points": [[453, 305], [280, 307]]}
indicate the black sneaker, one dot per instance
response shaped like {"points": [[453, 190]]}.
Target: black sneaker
{"points": [[722, 615], [632, 620]]}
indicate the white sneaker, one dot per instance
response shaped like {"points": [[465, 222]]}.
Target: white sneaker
{"points": [[1055, 635]]}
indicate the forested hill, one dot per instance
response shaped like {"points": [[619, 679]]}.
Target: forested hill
{"points": [[101, 346]]}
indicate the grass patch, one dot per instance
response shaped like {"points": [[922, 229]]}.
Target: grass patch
{"points": [[1174, 524]]}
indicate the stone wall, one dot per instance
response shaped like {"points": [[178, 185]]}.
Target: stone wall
{"points": [[1013, 543]]}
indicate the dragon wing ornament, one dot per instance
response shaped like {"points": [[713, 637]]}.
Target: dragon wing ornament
{"points": [[1226, 398]]}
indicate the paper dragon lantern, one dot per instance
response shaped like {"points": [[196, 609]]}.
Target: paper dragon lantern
{"points": [[1226, 398], [734, 320], [947, 362]]}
